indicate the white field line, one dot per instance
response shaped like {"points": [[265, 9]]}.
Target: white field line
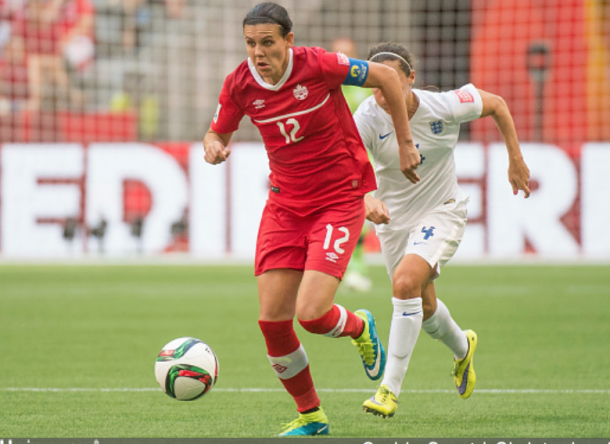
{"points": [[269, 390]]}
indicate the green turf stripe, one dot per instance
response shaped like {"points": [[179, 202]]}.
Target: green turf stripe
{"points": [[327, 390]]}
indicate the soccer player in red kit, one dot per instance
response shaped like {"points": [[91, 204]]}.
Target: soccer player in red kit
{"points": [[319, 174]]}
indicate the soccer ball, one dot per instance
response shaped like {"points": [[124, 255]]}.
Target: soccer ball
{"points": [[186, 369]]}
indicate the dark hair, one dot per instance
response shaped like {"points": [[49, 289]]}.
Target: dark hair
{"points": [[269, 13], [397, 53]]}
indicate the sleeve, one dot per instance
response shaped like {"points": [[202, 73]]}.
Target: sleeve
{"points": [[335, 67], [228, 114], [466, 103]]}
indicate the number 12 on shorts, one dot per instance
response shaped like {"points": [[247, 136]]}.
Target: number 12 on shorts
{"points": [[338, 242]]}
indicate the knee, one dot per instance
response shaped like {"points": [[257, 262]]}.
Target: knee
{"points": [[276, 312], [405, 286], [308, 313]]}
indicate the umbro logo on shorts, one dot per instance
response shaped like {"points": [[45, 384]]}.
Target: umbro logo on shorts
{"points": [[332, 257]]}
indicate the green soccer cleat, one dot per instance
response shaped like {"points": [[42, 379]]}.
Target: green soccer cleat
{"points": [[369, 346], [384, 403], [463, 370], [311, 424]]}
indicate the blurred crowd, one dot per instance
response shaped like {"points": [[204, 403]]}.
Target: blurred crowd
{"points": [[49, 48]]}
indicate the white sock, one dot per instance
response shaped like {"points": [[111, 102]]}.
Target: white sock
{"points": [[442, 326], [404, 331]]}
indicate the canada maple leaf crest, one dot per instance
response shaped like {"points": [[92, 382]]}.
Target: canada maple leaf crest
{"points": [[300, 92]]}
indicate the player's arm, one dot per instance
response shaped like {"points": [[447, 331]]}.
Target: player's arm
{"points": [[376, 75], [386, 79], [518, 172], [215, 146]]}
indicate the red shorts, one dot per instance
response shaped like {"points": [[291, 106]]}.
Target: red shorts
{"points": [[322, 241]]}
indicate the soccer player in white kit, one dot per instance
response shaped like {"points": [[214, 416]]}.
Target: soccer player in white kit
{"points": [[420, 225]]}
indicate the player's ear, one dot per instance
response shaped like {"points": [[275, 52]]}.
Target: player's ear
{"points": [[412, 78], [289, 39]]}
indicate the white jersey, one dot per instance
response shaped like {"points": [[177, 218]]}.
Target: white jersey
{"points": [[435, 127]]}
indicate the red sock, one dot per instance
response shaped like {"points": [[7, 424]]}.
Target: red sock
{"points": [[336, 323], [289, 361]]}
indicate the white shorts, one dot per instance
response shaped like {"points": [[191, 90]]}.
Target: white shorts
{"points": [[435, 238]]}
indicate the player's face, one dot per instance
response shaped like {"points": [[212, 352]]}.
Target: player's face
{"points": [[268, 50], [405, 83]]}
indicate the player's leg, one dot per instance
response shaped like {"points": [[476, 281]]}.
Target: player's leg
{"points": [[439, 324], [413, 259], [277, 295], [408, 281], [448, 223], [279, 262], [332, 238], [318, 314]]}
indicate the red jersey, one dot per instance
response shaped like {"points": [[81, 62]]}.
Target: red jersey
{"points": [[316, 156]]}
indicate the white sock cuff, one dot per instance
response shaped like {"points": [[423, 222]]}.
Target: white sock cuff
{"points": [[338, 329], [410, 306], [290, 365], [439, 324]]}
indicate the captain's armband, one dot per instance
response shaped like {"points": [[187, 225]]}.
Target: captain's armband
{"points": [[358, 72]]}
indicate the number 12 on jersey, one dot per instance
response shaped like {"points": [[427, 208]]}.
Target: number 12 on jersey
{"points": [[292, 137], [338, 242]]}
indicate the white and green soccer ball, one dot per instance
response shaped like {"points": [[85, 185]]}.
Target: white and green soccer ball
{"points": [[186, 369]]}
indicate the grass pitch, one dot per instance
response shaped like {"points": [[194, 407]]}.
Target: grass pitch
{"points": [[542, 361]]}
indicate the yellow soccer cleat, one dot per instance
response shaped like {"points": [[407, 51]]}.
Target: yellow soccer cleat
{"points": [[384, 403], [315, 423], [463, 370]]}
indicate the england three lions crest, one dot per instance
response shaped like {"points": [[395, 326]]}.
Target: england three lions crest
{"points": [[300, 92]]}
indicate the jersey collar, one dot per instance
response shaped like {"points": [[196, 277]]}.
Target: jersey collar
{"points": [[416, 115], [388, 118], [279, 84]]}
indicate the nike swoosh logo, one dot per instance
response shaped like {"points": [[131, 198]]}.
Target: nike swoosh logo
{"points": [[419, 243], [410, 314], [462, 387], [383, 137], [322, 429], [375, 371]]}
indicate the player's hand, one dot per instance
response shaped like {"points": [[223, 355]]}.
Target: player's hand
{"points": [[409, 161], [376, 210], [216, 153], [518, 176]]}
